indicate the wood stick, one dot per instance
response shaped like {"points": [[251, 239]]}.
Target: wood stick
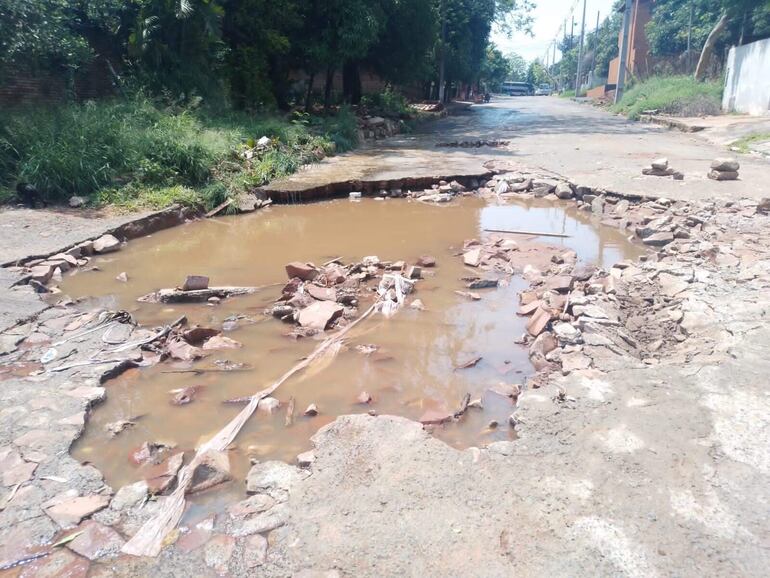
{"points": [[205, 370], [219, 208], [532, 233], [463, 406], [148, 541], [289, 413]]}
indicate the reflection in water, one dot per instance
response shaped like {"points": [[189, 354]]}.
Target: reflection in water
{"points": [[411, 373]]}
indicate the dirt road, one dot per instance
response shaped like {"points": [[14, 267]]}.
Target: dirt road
{"points": [[576, 141]]}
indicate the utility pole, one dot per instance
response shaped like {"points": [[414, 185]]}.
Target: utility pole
{"points": [[689, 38], [596, 46], [580, 51], [442, 57], [623, 51]]}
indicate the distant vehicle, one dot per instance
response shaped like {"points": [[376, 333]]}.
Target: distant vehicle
{"points": [[543, 90], [517, 88]]}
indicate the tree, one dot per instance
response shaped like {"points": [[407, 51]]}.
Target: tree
{"points": [[517, 66], [259, 50], [495, 70], [731, 11], [536, 73]]}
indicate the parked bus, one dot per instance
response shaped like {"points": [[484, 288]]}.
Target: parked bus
{"points": [[517, 88]]}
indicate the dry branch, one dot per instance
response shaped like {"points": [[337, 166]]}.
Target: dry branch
{"points": [[532, 233], [148, 540]]}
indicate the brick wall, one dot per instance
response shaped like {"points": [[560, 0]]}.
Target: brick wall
{"points": [[20, 86]]}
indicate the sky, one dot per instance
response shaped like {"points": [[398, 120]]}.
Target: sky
{"points": [[548, 16]]}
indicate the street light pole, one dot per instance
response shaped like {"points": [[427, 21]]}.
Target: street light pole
{"points": [[622, 62], [580, 51]]}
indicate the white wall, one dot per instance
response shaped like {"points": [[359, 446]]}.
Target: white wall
{"points": [[747, 84]]}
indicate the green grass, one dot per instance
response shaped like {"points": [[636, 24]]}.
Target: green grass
{"points": [[136, 153], [567, 94], [744, 144], [674, 95]]}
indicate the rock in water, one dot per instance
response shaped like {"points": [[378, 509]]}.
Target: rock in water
{"points": [[106, 244], [320, 314], [195, 283], [305, 271]]}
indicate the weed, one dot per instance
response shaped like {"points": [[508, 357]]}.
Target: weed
{"points": [[675, 95], [136, 154], [745, 144]]}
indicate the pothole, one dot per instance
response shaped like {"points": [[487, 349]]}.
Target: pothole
{"points": [[417, 364], [474, 143]]}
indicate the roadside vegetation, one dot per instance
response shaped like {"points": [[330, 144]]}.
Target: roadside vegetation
{"points": [[674, 95], [136, 153], [213, 79], [746, 144]]}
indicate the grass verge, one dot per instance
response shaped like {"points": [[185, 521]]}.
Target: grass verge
{"points": [[674, 95], [138, 154], [745, 144]]}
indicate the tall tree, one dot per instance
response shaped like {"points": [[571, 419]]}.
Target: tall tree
{"points": [[495, 70], [731, 11]]}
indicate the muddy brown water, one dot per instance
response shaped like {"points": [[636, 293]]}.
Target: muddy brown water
{"points": [[412, 372]]}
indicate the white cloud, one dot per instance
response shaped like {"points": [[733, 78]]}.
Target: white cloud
{"points": [[549, 15]]}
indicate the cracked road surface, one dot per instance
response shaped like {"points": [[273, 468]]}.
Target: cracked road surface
{"points": [[576, 141]]}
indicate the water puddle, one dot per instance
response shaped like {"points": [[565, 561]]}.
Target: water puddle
{"points": [[411, 373]]}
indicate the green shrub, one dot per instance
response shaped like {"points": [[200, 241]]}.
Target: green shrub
{"points": [[136, 154], [389, 103], [675, 95]]}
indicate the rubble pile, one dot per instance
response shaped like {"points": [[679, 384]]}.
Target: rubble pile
{"points": [[377, 127], [320, 298], [443, 192], [41, 272], [473, 144], [724, 169], [660, 168], [581, 317]]}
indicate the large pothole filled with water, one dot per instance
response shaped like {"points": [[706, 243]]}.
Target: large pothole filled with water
{"points": [[413, 371]]}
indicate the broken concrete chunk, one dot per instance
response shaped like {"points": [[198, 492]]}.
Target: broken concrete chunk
{"points": [[41, 273], [472, 258], [725, 165], [96, 541], [482, 283], [183, 351], [567, 333], [659, 239], [426, 261], [320, 314], [106, 244], [321, 293], [723, 175], [195, 283], [274, 478], [221, 342], [564, 191], [560, 283], [305, 271], [538, 322], [306, 459], [660, 164], [70, 512], [213, 469]]}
